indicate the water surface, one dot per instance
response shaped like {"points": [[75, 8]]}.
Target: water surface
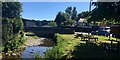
{"points": [[30, 52]]}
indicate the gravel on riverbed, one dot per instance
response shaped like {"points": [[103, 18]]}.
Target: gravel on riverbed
{"points": [[34, 42]]}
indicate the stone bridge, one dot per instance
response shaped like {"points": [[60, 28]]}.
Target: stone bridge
{"points": [[49, 31]]}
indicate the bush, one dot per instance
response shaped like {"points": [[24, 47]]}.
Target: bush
{"points": [[52, 24], [53, 53], [14, 43], [38, 57], [11, 36]]}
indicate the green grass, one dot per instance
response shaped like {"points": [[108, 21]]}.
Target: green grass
{"points": [[72, 47], [68, 43], [31, 37], [69, 47], [104, 38]]}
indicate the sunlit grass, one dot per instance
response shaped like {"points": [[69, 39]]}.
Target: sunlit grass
{"points": [[104, 38], [69, 42], [31, 37]]}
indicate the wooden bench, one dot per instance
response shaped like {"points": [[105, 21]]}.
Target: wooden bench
{"points": [[86, 38], [90, 38], [94, 39]]}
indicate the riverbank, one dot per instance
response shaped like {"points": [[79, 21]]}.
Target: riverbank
{"points": [[69, 47], [39, 42], [30, 41]]}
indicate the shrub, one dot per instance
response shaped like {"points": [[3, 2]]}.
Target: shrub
{"points": [[53, 53], [10, 33], [38, 57]]}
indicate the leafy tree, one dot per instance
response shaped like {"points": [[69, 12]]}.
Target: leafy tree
{"points": [[107, 10], [72, 12], [69, 10], [52, 24], [83, 14], [11, 9], [69, 22], [61, 17], [11, 25], [66, 18]]}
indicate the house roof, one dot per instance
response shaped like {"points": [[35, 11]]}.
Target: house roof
{"points": [[81, 20]]}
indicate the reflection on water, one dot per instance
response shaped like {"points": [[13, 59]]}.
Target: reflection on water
{"points": [[30, 52]]}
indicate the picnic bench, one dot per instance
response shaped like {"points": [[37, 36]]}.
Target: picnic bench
{"points": [[87, 37], [112, 48]]}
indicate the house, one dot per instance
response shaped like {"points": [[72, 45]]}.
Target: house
{"points": [[82, 23]]}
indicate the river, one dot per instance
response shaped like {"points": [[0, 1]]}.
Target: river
{"points": [[37, 46]]}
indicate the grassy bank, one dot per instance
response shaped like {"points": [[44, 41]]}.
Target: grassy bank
{"points": [[69, 47]]}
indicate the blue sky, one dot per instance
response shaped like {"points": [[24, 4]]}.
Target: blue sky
{"points": [[49, 10]]}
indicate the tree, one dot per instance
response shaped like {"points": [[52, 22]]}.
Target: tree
{"points": [[83, 14], [52, 24], [11, 9], [61, 17], [69, 22], [71, 12], [74, 14], [66, 18], [11, 25], [107, 10]]}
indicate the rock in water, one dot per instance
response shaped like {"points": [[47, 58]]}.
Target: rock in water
{"points": [[14, 54]]}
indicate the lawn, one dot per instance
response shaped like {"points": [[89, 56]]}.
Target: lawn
{"points": [[72, 47]]}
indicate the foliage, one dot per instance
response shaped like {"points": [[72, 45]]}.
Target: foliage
{"points": [[63, 47], [12, 25], [69, 22], [52, 24], [11, 9], [38, 57], [7, 30], [66, 18], [14, 42], [107, 10], [72, 12], [61, 17], [56, 54], [53, 53]]}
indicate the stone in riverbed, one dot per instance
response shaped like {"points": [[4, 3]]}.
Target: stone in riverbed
{"points": [[31, 52], [13, 54]]}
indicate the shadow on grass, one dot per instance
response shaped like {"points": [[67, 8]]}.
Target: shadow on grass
{"points": [[91, 51]]}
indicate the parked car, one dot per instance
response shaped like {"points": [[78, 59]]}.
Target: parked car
{"points": [[100, 32], [105, 29]]}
